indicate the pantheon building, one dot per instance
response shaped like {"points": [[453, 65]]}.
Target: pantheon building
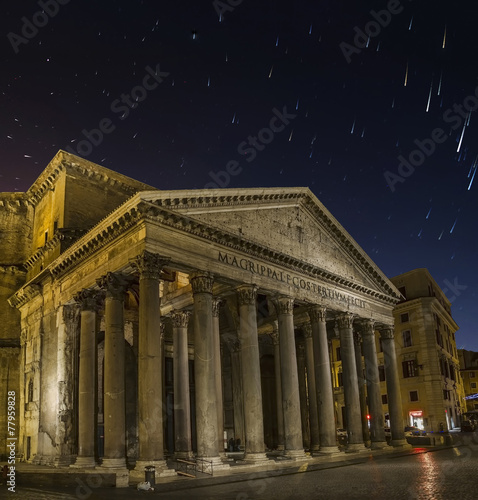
{"points": [[140, 325]]}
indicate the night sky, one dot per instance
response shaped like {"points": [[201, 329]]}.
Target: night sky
{"points": [[348, 112]]}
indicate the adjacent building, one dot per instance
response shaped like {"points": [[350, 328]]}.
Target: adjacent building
{"points": [[469, 375], [429, 367]]}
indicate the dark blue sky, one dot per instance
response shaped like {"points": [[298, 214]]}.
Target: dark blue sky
{"points": [[355, 117]]}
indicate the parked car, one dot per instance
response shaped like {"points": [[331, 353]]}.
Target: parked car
{"points": [[411, 430]]}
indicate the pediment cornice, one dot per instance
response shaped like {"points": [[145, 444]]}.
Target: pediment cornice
{"points": [[165, 208]]}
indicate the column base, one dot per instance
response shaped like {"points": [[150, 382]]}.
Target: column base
{"points": [[314, 449], [295, 455], [84, 463], [113, 463], [161, 467], [256, 458], [64, 460], [327, 450], [400, 443], [379, 445], [355, 448]]}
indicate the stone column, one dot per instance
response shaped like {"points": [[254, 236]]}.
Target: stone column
{"points": [[377, 433], [304, 410], [361, 387], [182, 413], [115, 286], [204, 369], [351, 394], [311, 389], [87, 380], [150, 363], [323, 378], [216, 303], [393, 387], [289, 378], [280, 412], [237, 394], [251, 373]]}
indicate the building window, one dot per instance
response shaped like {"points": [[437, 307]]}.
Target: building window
{"points": [[446, 394], [407, 338], [384, 399], [381, 373], [404, 318], [439, 338], [380, 346], [447, 369], [46, 237], [55, 226], [340, 379], [473, 385], [413, 395], [337, 354], [472, 374], [403, 291], [476, 406], [409, 368]]}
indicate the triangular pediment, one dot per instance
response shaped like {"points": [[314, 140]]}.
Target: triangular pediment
{"points": [[289, 220]]}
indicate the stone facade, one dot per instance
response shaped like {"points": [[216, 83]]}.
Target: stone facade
{"points": [[429, 366], [469, 376], [159, 323]]}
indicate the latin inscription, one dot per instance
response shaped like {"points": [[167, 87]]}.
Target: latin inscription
{"points": [[290, 279]]}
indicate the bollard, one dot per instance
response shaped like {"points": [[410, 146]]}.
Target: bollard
{"points": [[149, 475]]}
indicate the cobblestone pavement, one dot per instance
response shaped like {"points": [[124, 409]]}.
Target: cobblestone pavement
{"points": [[424, 475]]}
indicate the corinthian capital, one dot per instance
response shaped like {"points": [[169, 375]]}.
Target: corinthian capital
{"points": [[201, 282], [114, 284], [345, 320], [317, 313], [247, 295], [149, 265], [367, 327], [87, 299], [180, 319], [387, 332], [307, 329], [284, 305]]}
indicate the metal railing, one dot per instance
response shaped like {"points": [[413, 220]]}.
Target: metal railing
{"points": [[192, 466]]}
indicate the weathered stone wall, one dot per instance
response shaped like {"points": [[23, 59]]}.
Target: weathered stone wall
{"points": [[15, 234], [16, 217], [90, 199], [291, 231], [9, 377], [11, 279], [48, 211]]}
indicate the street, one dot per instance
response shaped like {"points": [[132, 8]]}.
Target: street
{"points": [[432, 474]]}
